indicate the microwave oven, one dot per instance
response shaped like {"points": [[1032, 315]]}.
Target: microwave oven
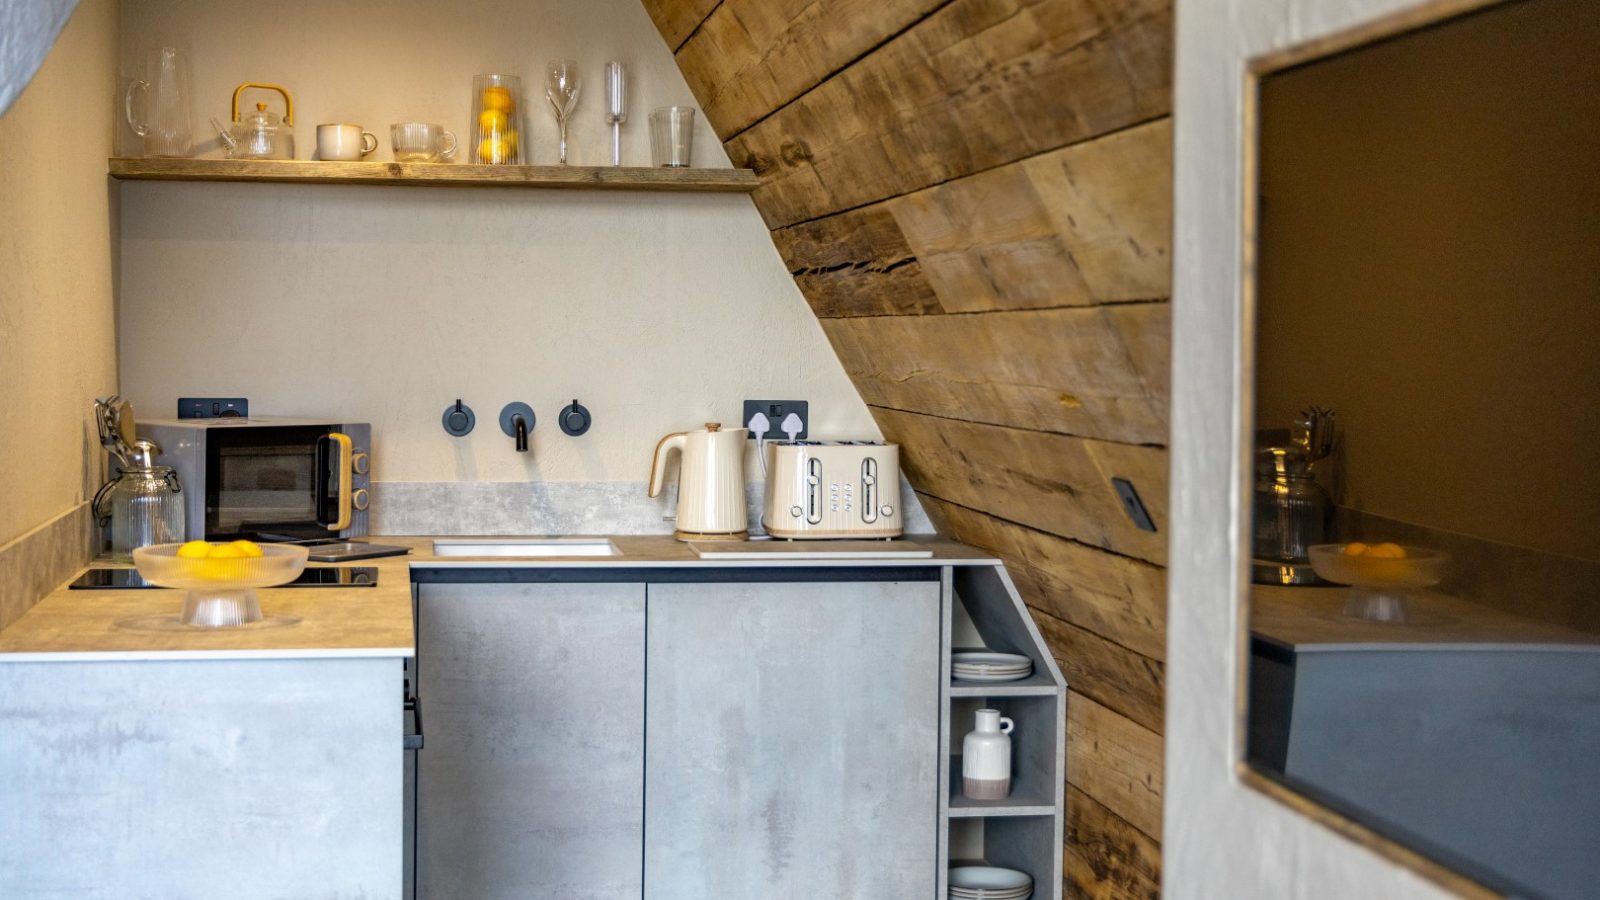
{"points": [[268, 479]]}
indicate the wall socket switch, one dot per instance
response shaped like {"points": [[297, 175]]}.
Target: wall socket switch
{"points": [[776, 411], [213, 407]]}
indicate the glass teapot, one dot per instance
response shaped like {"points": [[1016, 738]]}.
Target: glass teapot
{"points": [[261, 134]]}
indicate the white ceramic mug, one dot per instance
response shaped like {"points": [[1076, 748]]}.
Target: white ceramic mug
{"points": [[344, 143], [421, 142]]}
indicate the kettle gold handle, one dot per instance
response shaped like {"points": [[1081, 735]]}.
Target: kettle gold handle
{"points": [[658, 465], [288, 102]]}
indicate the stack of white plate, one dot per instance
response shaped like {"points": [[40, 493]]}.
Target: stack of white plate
{"points": [[989, 883], [984, 666]]}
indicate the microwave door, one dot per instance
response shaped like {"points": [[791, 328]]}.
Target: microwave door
{"points": [[263, 482]]}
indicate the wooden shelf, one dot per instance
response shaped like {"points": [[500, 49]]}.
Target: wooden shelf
{"points": [[614, 178]]}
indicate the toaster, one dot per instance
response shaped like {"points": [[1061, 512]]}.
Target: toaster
{"points": [[833, 489]]}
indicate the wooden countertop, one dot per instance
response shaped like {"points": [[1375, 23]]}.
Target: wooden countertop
{"points": [[121, 624], [1309, 619]]}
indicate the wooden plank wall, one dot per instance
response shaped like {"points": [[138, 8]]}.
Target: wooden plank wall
{"points": [[975, 198]]}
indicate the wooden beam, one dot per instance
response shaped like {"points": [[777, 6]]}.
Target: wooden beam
{"points": [[1121, 599], [1051, 482], [1116, 677], [677, 19], [1105, 858], [1064, 370], [978, 84], [751, 57], [856, 264], [1115, 761]]}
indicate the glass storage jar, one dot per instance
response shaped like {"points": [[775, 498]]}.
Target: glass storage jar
{"points": [[146, 507]]}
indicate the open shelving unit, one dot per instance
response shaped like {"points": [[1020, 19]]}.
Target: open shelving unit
{"points": [[1023, 831], [615, 178]]}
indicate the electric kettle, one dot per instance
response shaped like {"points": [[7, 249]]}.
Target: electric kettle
{"points": [[711, 503]]}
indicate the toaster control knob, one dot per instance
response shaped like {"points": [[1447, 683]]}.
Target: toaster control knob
{"points": [[360, 463], [796, 511], [887, 510], [812, 479], [360, 499]]}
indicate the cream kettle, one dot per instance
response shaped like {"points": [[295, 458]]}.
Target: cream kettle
{"points": [[711, 504]]}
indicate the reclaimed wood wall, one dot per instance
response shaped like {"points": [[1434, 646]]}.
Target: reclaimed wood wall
{"points": [[975, 198]]}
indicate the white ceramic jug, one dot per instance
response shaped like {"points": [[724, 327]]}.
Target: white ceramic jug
{"points": [[711, 503], [986, 757]]}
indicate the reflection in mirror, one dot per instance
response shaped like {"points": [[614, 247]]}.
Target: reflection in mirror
{"points": [[1425, 618]]}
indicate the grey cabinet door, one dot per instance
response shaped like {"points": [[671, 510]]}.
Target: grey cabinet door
{"points": [[793, 741], [531, 781]]}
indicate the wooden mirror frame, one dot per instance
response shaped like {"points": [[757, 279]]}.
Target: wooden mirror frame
{"points": [[1434, 12]]}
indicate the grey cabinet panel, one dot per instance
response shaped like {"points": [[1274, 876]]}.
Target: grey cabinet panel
{"points": [[793, 741], [531, 781]]}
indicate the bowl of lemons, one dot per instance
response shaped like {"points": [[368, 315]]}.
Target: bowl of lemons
{"points": [[1380, 575], [221, 578]]}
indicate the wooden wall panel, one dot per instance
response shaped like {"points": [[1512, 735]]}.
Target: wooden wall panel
{"points": [[1117, 762], [1105, 858], [751, 57], [977, 84], [1049, 481], [856, 264], [974, 196], [1119, 598], [1063, 370]]}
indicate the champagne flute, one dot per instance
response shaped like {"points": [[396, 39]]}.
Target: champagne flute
{"points": [[561, 89], [616, 108]]}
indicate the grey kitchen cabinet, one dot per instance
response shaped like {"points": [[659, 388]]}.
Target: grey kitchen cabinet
{"points": [[531, 780], [793, 745]]}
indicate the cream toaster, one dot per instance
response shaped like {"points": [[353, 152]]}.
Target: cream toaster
{"points": [[833, 489]]}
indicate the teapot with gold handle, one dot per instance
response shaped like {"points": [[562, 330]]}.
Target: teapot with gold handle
{"points": [[260, 134]]}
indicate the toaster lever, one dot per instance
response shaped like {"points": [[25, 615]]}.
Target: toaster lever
{"points": [[814, 490], [869, 490]]}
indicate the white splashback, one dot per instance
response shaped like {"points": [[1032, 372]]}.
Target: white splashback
{"points": [[660, 312]]}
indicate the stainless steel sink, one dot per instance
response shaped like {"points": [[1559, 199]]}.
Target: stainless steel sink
{"points": [[524, 548]]}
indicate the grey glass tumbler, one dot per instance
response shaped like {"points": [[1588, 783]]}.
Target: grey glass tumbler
{"points": [[671, 136]]}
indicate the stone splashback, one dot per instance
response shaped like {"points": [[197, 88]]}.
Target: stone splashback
{"points": [[552, 507], [38, 562]]}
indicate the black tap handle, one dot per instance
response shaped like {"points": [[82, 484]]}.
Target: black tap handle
{"points": [[522, 433]]}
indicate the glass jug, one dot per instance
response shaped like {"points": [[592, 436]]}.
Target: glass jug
{"points": [[145, 506], [163, 121]]}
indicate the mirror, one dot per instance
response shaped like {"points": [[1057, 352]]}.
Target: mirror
{"points": [[1425, 607]]}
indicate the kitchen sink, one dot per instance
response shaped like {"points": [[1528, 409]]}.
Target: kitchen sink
{"points": [[524, 548]]}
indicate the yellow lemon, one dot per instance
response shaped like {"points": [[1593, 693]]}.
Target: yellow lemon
{"points": [[225, 551], [493, 121], [494, 151], [194, 550], [248, 548], [1355, 548], [496, 98], [1386, 550]]}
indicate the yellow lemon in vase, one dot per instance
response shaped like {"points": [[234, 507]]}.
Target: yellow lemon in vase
{"points": [[194, 550]]}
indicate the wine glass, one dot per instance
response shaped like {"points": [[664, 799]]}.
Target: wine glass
{"points": [[561, 88]]}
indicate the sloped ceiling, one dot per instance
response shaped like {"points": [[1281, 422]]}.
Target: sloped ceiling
{"points": [[975, 198]]}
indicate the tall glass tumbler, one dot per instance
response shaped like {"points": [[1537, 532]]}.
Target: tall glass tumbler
{"points": [[497, 119], [672, 136]]}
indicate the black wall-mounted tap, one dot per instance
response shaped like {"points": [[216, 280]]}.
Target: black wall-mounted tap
{"points": [[516, 420]]}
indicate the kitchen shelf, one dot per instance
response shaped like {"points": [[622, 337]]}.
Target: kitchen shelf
{"points": [[614, 178], [1039, 684], [1015, 805]]}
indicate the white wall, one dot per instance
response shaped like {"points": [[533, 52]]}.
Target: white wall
{"points": [[56, 339], [660, 312], [1222, 839]]}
